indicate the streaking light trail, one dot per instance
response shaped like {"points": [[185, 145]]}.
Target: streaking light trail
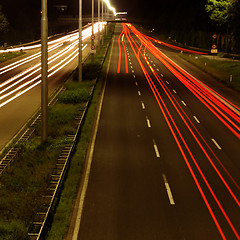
{"points": [[63, 51], [110, 7], [223, 109]]}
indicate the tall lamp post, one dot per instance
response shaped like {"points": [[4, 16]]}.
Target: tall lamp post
{"points": [[92, 41], [98, 24], [102, 23], [44, 70], [80, 43]]}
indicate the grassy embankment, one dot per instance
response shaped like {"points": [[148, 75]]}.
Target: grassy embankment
{"points": [[61, 218], [28, 177], [219, 68], [7, 56]]}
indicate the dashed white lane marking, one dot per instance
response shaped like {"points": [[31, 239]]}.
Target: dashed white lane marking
{"points": [[134, 76], [157, 69], [139, 93], [148, 122], [143, 105], [136, 83], [215, 142], [174, 91], [156, 149], [167, 82], [132, 71], [184, 103], [131, 66], [196, 119], [169, 192], [162, 76]]}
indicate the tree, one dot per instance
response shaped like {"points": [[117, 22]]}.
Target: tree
{"points": [[224, 14], [3, 22], [220, 11]]}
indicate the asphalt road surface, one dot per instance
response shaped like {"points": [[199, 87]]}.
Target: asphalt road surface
{"points": [[166, 158], [20, 88]]}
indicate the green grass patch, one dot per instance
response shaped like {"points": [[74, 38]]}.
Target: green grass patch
{"points": [[61, 218], [28, 177], [219, 68], [9, 55]]}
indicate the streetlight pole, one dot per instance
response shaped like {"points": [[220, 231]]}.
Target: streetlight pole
{"points": [[102, 23], [98, 24], [80, 43], [92, 43], [44, 70]]}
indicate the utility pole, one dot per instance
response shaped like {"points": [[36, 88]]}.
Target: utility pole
{"points": [[44, 70], [92, 43], [98, 24], [80, 43], [102, 25]]}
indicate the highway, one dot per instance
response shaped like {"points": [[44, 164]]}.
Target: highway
{"points": [[20, 88], [166, 160]]}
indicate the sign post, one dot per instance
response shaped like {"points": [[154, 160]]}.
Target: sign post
{"points": [[214, 49]]}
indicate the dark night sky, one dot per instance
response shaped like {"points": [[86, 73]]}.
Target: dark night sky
{"points": [[150, 8], [167, 14]]}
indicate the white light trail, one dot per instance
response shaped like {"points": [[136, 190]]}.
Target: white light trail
{"points": [[110, 7], [22, 82]]}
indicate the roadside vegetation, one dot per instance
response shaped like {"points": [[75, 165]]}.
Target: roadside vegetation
{"points": [[225, 70], [26, 180], [7, 56], [63, 212]]}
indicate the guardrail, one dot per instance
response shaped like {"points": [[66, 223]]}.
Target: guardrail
{"points": [[45, 212], [13, 153], [44, 215]]}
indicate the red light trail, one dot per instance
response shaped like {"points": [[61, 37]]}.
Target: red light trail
{"points": [[223, 109]]}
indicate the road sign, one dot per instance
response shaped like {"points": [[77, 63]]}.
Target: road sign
{"points": [[214, 50], [214, 36], [93, 50]]}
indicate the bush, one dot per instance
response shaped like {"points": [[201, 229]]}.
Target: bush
{"points": [[74, 96], [91, 70]]}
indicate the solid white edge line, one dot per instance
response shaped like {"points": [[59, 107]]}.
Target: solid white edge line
{"points": [[87, 174], [169, 192], [215, 142]]}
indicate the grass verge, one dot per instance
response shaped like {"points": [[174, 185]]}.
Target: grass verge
{"points": [[219, 68], [9, 55], [26, 180], [61, 218]]}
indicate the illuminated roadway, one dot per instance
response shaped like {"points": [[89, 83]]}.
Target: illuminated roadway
{"points": [[20, 90], [166, 158]]}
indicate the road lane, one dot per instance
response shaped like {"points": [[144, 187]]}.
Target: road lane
{"points": [[138, 171], [197, 158], [16, 78]]}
